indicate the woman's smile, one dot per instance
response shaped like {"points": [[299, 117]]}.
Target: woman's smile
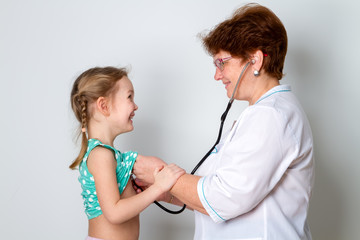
{"points": [[227, 84]]}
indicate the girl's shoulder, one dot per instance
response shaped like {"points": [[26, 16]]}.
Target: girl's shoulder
{"points": [[101, 153], [92, 146], [100, 156]]}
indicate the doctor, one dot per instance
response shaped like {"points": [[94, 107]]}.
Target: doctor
{"points": [[258, 184]]}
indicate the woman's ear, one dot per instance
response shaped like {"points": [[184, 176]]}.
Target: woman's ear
{"points": [[257, 59], [257, 62], [103, 106]]}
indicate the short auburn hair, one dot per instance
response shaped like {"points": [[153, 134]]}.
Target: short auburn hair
{"points": [[252, 27]]}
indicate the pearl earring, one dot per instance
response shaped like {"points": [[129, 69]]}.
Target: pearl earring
{"points": [[256, 73]]}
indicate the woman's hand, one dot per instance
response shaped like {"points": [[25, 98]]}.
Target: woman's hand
{"points": [[144, 168]]}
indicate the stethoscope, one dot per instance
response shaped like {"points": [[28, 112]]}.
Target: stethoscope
{"points": [[223, 117]]}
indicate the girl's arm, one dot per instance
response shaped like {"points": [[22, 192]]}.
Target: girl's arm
{"points": [[185, 188], [102, 165]]}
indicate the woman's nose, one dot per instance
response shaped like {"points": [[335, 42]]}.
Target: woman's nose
{"points": [[218, 74]]}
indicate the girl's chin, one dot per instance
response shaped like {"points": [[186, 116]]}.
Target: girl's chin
{"points": [[129, 128]]}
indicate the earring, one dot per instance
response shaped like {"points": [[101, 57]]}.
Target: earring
{"points": [[256, 73]]}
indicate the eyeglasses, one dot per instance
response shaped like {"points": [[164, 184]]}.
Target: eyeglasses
{"points": [[219, 63]]}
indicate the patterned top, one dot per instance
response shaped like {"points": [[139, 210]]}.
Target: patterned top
{"points": [[125, 162]]}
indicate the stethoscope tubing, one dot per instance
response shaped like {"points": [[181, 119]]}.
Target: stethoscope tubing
{"points": [[223, 117]]}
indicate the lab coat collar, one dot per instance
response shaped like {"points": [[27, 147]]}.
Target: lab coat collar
{"points": [[276, 89]]}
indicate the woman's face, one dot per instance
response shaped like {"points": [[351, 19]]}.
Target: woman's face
{"points": [[231, 69]]}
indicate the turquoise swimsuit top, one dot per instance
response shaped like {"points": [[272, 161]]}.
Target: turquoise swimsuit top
{"points": [[125, 163]]}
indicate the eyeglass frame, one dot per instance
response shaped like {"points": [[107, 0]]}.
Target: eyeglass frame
{"points": [[219, 63]]}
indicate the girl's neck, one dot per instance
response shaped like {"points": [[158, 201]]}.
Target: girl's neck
{"points": [[103, 140], [101, 133]]}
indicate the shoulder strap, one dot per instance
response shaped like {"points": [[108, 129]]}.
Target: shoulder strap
{"points": [[93, 143]]}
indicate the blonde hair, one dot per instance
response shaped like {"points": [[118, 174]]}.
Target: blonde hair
{"points": [[88, 87]]}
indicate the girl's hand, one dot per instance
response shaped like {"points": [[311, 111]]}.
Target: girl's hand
{"points": [[166, 177]]}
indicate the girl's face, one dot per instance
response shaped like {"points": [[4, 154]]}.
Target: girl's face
{"points": [[122, 106]]}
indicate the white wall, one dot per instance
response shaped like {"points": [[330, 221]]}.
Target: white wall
{"points": [[44, 45]]}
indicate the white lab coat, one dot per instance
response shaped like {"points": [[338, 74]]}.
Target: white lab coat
{"points": [[258, 183]]}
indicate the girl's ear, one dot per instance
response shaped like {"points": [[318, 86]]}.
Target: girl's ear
{"points": [[102, 104]]}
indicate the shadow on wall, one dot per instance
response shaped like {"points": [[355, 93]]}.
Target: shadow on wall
{"points": [[325, 212], [146, 139]]}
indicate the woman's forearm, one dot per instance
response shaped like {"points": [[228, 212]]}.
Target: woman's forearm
{"points": [[185, 190], [175, 201]]}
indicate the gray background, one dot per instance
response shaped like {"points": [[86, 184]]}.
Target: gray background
{"points": [[44, 45]]}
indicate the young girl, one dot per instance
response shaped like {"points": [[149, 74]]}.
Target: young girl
{"points": [[103, 102]]}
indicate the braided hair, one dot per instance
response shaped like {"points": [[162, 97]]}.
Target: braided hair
{"points": [[87, 88]]}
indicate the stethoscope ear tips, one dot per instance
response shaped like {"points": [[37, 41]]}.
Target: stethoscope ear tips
{"points": [[253, 61]]}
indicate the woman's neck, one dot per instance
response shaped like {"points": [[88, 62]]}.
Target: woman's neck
{"points": [[262, 85]]}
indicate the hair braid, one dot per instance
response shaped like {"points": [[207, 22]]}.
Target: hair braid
{"points": [[83, 104], [88, 87]]}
